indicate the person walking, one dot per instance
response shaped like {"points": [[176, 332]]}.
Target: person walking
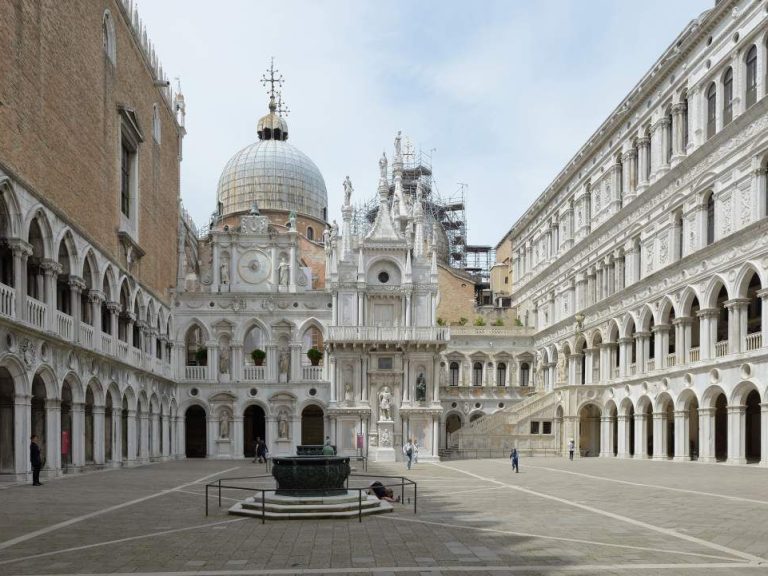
{"points": [[35, 460], [415, 451], [571, 448], [514, 456], [408, 452]]}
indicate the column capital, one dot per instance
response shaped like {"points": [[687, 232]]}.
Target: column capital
{"points": [[76, 283], [19, 246], [682, 320], [660, 328], [708, 312], [95, 296], [736, 303], [114, 307], [50, 267]]}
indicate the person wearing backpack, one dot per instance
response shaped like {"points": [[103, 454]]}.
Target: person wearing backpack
{"points": [[408, 452]]}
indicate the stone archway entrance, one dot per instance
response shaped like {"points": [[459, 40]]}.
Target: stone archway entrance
{"points": [[312, 425], [752, 423], [7, 427], [39, 424], [194, 432], [589, 430], [67, 440], [253, 428], [452, 423], [721, 428]]}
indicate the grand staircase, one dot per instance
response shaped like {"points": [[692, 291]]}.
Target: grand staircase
{"points": [[495, 434]]}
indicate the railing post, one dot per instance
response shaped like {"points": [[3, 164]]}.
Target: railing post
{"points": [[219, 492], [402, 489], [359, 504], [206, 500], [415, 496], [263, 509]]}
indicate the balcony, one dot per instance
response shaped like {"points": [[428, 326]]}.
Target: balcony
{"points": [[388, 333], [312, 373], [7, 301], [650, 365], [695, 354], [36, 312], [122, 350], [253, 373], [721, 348], [106, 344], [196, 373], [754, 341], [86, 335], [64, 325], [671, 360]]}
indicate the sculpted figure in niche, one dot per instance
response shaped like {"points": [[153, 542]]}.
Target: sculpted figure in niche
{"points": [[224, 358], [224, 272], [383, 166], [334, 232], [348, 392], [282, 426], [283, 272], [224, 425], [421, 388], [384, 439], [284, 363], [385, 402]]}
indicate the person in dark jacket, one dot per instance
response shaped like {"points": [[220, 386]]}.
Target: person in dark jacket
{"points": [[35, 460], [261, 451], [514, 456]]}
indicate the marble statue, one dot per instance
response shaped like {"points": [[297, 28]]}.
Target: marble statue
{"points": [[224, 272], [383, 166], [348, 392], [397, 145], [384, 440], [284, 363], [334, 232], [347, 191], [385, 401], [224, 358], [282, 426], [292, 220], [283, 272], [224, 425], [421, 388], [327, 238]]}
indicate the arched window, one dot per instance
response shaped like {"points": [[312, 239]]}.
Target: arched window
{"points": [[710, 219], [195, 345], [501, 374], [679, 238], [156, 123], [751, 96], [477, 374], [684, 121], [669, 134], [525, 374], [108, 37], [728, 97], [711, 110], [310, 233], [454, 374]]}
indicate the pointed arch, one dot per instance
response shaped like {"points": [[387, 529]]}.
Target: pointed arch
{"points": [[644, 318], [716, 283], [97, 390], [687, 297], [76, 385], [744, 277], [12, 220], [38, 225], [66, 241], [89, 271]]}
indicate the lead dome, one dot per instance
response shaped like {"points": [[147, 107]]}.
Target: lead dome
{"points": [[272, 174]]}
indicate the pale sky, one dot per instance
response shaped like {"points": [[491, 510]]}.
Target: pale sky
{"points": [[502, 92]]}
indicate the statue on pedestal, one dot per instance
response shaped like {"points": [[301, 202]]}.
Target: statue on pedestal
{"points": [[284, 363], [282, 426], [385, 401], [283, 272], [347, 191], [224, 425]]}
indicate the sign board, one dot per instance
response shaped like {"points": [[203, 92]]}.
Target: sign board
{"points": [[65, 441], [360, 441]]}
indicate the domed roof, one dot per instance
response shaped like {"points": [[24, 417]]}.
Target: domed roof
{"points": [[272, 174]]}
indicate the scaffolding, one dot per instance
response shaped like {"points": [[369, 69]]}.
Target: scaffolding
{"points": [[448, 213]]}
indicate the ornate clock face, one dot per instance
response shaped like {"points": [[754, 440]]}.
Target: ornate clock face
{"points": [[254, 267]]}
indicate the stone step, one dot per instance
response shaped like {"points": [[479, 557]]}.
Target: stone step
{"points": [[297, 512], [255, 504]]}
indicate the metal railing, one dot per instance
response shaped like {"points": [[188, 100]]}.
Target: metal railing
{"points": [[475, 454], [219, 485]]}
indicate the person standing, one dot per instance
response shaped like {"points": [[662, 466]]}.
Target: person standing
{"points": [[328, 448], [35, 460], [408, 452], [415, 451], [514, 456], [571, 448]]}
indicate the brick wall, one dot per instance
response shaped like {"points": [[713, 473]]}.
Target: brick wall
{"points": [[60, 126]]}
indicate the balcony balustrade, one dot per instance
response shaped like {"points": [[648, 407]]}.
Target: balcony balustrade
{"points": [[7, 301], [254, 373], [196, 373]]}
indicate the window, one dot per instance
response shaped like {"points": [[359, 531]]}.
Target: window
{"points": [[501, 374], [710, 219], [310, 233], [751, 76], [525, 374], [670, 135], [728, 97], [711, 110], [385, 363], [156, 123], [679, 239], [685, 123], [546, 427], [126, 164], [534, 427], [454, 374], [108, 37], [477, 374]]}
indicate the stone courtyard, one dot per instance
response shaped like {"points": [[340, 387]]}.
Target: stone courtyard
{"points": [[474, 517]]}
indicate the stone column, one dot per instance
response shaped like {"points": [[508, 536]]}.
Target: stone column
{"points": [[708, 332], [625, 356], [296, 367], [623, 436], [117, 436], [132, 448], [21, 252], [574, 369], [436, 380], [642, 343], [155, 449], [292, 268], [95, 298], [364, 366], [114, 310], [682, 436], [332, 377], [435, 435], [659, 436], [707, 434], [661, 344], [271, 368], [763, 295], [737, 324], [238, 447], [737, 416], [606, 433], [53, 436], [678, 149], [643, 145], [22, 422], [77, 443], [629, 184], [98, 435], [76, 287], [51, 270], [641, 435]]}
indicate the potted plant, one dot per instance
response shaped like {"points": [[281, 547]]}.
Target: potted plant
{"points": [[479, 321], [498, 322], [201, 355], [314, 356], [258, 356]]}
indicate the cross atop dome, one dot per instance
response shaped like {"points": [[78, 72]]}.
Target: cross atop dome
{"points": [[272, 77], [272, 126]]}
